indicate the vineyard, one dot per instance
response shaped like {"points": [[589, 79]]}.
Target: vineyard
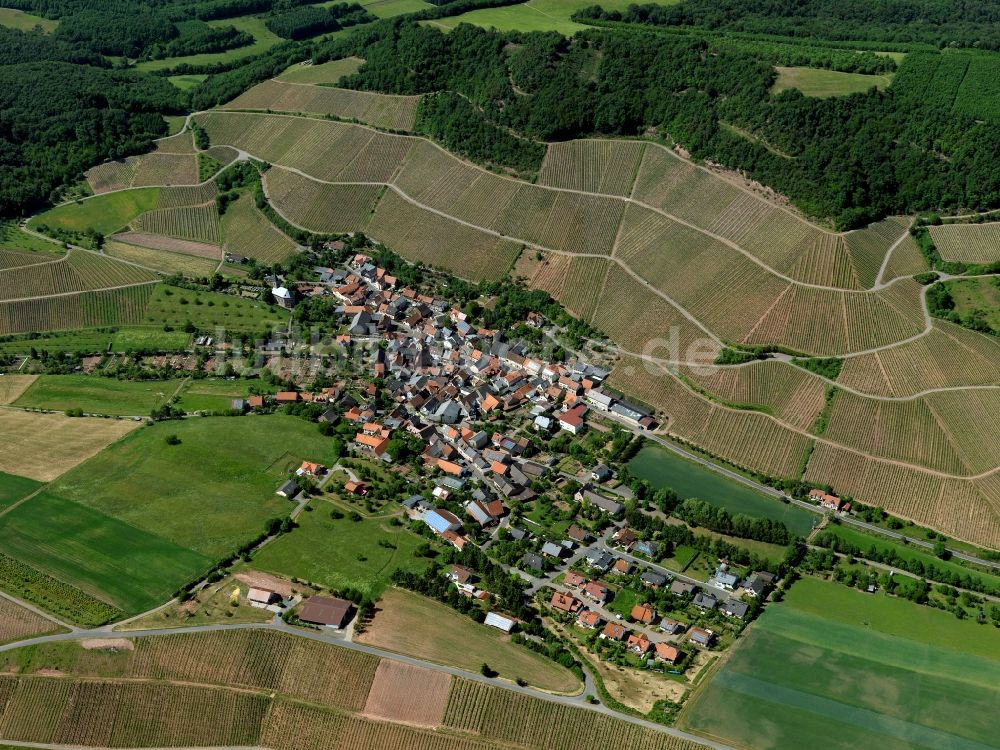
{"points": [[160, 260], [594, 166], [513, 719], [419, 235], [249, 233], [407, 694], [318, 206], [331, 151], [947, 356], [76, 272], [10, 259], [197, 223], [868, 246], [182, 195], [329, 72], [906, 260], [181, 143], [16, 622], [170, 244], [968, 243], [156, 168], [388, 111], [86, 310]]}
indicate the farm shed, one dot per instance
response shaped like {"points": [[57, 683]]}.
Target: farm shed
{"points": [[327, 611]]}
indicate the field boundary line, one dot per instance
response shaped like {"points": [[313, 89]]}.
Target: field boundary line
{"points": [[888, 256]]}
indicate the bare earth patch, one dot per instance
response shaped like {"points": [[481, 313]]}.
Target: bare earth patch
{"points": [[12, 386], [98, 644], [408, 695], [45, 446], [170, 244]]}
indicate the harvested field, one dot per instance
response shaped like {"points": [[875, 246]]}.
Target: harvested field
{"points": [[324, 73], [44, 446], [948, 356], [968, 243], [249, 233], [17, 623], [170, 244], [12, 386], [408, 695], [389, 111], [318, 206], [85, 310], [595, 166], [197, 223]]}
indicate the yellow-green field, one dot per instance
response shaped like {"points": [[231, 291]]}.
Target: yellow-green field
{"points": [[18, 19], [534, 15], [824, 83]]}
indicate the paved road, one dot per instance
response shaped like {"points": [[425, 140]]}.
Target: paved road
{"points": [[333, 638]]}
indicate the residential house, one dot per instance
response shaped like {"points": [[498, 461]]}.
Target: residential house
{"points": [[533, 561], [668, 653], [622, 567], [589, 619], [624, 538], [310, 469], [572, 420], [645, 547], [672, 627], [261, 597], [595, 591], [682, 588], [553, 550], [611, 507], [600, 473], [578, 534], [828, 501], [356, 488], [613, 631], [643, 613], [701, 636], [289, 489], [441, 520], [652, 579], [599, 559], [284, 297], [574, 579], [705, 601], [735, 608], [565, 603], [758, 584], [638, 643]]}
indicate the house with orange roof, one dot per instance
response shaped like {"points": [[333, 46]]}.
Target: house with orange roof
{"points": [[638, 643], [613, 631], [589, 619], [565, 602], [667, 653], [374, 444], [450, 467], [643, 613]]}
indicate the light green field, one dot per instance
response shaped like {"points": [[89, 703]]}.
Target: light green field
{"points": [[534, 15], [836, 668], [97, 341], [175, 123], [210, 310], [13, 488], [328, 72], [391, 8], [264, 39], [339, 553], [103, 213], [186, 82], [978, 300], [13, 238], [664, 468], [18, 19], [824, 83], [97, 395], [192, 266], [213, 395]]}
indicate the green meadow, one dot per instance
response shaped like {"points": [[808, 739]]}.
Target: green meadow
{"points": [[175, 307], [18, 19], [97, 395], [105, 214], [664, 468], [213, 395], [97, 341], [836, 668], [823, 83], [534, 15], [13, 488]]}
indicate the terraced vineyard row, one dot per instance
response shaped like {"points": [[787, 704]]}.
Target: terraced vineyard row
{"points": [[595, 166], [968, 243], [76, 272], [249, 233], [181, 143], [318, 206], [110, 714], [180, 196], [16, 622], [419, 235], [154, 168], [85, 310], [520, 720], [331, 151], [868, 246], [388, 111], [198, 223], [906, 260], [948, 355], [16, 259]]}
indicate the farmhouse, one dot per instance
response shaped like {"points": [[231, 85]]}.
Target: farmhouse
{"points": [[289, 489], [828, 501], [572, 420], [441, 520], [327, 611]]}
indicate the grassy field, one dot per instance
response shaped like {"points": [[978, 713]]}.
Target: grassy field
{"points": [[13, 488], [337, 553], [12, 386], [328, 72], [977, 300], [664, 468], [413, 624], [13, 238], [534, 15], [264, 39], [390, 8], [43, 446], [161, 260], [104, 213], [97, 341], [824, 83], [17, 19], [185, 82], [210, 310], [856, 670], [212, 395], [97, 395]]}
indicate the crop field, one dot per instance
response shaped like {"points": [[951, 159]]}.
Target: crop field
{"points": [[948, 356], [789, 393], [856, 670], [17, 623], [209, 311], [411, 695], [419, 235], [823, 83], [594, 166], [389, 111], [512, 719], [10, 259], [332, 151], [318, 206], [78, 271], [968, 243], [906, 260], [324, 73], [961, 508], [43, 446], [97, 395], [160, 260], [249, 233], [412, 624], [196, 223], [868, 246], [118, 714], [178, 196], [12, 386], [85, 310], [170, 245], [102, 213], [339, 553], [14, 488], [18, 19], [161, 167], [179, 143]]}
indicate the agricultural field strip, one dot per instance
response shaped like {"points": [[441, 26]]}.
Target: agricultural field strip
{"points": [[885, 261], [75, 248], [578, 701], [820, 439]]}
